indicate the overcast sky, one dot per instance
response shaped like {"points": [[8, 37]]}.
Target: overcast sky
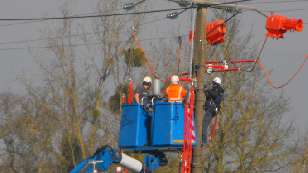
{"points": [[281, 56]]}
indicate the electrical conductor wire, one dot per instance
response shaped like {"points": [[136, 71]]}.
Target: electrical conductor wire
{"points": [[118, 14], [292, 77]]}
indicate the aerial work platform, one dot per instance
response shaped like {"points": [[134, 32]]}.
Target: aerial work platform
{"points": [[160, 129]]}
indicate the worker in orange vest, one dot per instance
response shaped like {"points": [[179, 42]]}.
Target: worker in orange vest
{"points": [[175, 92]]}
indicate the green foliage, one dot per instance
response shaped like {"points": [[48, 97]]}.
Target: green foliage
{"points": [[134, 57]]}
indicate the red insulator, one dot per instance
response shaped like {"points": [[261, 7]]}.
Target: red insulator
{"points": [[277, 25], [215, 32], [235, 69], [185, 79], [232, 61], [216, 66]]}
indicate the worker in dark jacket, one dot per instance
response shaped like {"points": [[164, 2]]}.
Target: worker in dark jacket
{"points": [[143, 97], [143, 92], [214, 97]]}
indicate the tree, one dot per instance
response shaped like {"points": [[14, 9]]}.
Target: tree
{"points": [[252, 137], [57, 124]]}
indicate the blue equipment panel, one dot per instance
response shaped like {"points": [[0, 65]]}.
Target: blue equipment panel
{"points": [[168, 125], [133, 127]]}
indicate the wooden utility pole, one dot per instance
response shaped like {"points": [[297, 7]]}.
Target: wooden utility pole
{"points": [[199, 58]]}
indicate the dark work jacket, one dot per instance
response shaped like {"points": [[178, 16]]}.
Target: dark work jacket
{"points": [[214, 97], [144, 95]]}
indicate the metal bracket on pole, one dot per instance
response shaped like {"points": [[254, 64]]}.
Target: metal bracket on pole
{"points": [[226, 5]]}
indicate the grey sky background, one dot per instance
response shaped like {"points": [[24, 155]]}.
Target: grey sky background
{"points": [[281, 56]]}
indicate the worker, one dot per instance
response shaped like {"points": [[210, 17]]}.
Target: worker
{"points": [[144, 92], [175, 92], [143, 97], [214, 96]]}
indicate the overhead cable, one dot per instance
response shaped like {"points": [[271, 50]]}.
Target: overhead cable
{"points": [[117, 14], [277, 2], [292, 77], [71, 35], [37, 21], [93, 16], [284, 10], [258, 56], [84, 44]]}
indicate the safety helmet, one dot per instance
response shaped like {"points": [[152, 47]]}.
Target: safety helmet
{"points": [[147, 79], [118, 169], [174, 79], [217, 80]]}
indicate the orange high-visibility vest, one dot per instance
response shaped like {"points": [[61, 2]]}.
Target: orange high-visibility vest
{"points": [[175, 93]]}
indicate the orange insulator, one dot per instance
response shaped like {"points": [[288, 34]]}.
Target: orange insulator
{"points": [[277, 25], [215, 32], [294, 25]]}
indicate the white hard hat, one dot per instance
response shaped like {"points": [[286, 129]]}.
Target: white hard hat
{"points": [[118, 169], [147, 79], [174, 79], [217, 80]]}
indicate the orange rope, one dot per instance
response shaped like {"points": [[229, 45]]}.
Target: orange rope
{"points": [[270, 82], [130, 92], [214, 124], [188, 136]]}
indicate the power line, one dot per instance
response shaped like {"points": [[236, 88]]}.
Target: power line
{"points": [[258, 56], [90, 43], [18, 23], [72, 35], [278, 2], [154, 20], [29, 22], [292, 77], [284, 10], [92, 33], [233, 5], [226, 3], [38, 21], [45, 38], [117, 14], [94, 16]]}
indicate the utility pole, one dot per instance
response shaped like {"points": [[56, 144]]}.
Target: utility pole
{"points": [[199, 58]]}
